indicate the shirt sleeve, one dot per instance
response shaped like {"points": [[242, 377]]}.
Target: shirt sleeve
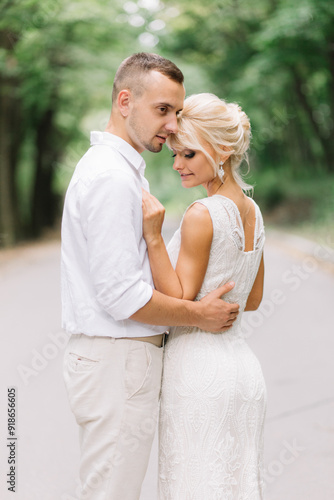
{"points": [[109, 211]]}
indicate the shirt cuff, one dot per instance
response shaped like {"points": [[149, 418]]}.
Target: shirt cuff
{"points": [[131, 301]]}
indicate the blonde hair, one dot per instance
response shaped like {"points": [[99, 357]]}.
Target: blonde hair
{"points": [[206, 118]]}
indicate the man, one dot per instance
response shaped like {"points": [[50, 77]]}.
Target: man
{"points": [[113, 361]]}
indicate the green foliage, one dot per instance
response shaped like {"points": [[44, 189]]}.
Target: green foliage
{"points": [[276, 60], [274, 57], [57, 61], [289, 199]]}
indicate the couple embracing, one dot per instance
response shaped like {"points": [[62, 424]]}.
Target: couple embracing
{"points": [[124, 293]]}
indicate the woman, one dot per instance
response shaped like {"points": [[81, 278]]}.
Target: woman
{"points": [[213, 394]]}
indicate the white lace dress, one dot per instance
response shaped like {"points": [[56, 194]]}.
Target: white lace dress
{"points": [[213, 397]]}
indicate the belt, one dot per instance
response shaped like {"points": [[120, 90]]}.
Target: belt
{"points": [[158, 340]]}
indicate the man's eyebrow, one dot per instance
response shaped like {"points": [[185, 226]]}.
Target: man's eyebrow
{"points": [[165, 105]]}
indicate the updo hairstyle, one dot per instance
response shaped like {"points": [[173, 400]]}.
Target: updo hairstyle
{"points": [[206, 118]]}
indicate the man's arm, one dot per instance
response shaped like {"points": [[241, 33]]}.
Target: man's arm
{"points": [[211, 313], [185, 281], [109, 216], [107, 212]]}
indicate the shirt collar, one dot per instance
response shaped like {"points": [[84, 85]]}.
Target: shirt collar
{"points": [[123, 147]]}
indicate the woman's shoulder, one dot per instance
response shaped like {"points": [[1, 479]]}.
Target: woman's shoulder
{"points": [[200, 210], [206, 212], [210, 202], [258, 212], [197, 213], [219, 207]]}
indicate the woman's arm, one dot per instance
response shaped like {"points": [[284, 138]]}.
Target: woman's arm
{"points": [[196, 237], [256, 293]]}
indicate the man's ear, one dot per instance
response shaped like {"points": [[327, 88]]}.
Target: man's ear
{"points": [[123, 102]]}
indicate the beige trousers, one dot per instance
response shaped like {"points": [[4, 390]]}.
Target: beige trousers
{"points": [[113, 387]]}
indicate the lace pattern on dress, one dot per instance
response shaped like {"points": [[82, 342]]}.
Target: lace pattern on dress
{"points": [[213, 396]]}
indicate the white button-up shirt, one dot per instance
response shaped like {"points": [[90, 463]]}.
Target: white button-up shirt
{"points": [[105, 271]]}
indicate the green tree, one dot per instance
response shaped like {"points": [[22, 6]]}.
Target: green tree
{"points": [[276, 59], [56, 62]]}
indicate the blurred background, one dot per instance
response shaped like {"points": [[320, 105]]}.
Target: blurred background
{"points": [[274, 57]]}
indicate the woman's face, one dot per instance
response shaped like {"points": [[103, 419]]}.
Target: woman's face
{"points": [[193, 166]]}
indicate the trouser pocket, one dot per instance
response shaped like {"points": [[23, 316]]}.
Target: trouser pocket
{"points": [[137, 369]]}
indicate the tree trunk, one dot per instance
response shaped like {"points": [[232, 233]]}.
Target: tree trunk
{"points": [[44, 202], [7, 218], [331, 81], [324, 142], [9, 110]]}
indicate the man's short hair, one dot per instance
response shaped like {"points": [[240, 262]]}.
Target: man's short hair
{"points": [[132, 70]]}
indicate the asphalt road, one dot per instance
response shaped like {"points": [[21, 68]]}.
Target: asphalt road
{"points": [[292, 334]]}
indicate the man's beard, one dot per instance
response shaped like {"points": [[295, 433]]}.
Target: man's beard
{"points": [[151, 148], [139, 132]]}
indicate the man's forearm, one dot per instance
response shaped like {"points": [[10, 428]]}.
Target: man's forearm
{"points": [[165, 310], [210, 313]]}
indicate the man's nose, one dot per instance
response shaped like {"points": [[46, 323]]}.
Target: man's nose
{"points": [[172, 125]]}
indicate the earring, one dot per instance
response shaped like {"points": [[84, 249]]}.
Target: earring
{"points": [[221, 171]]}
